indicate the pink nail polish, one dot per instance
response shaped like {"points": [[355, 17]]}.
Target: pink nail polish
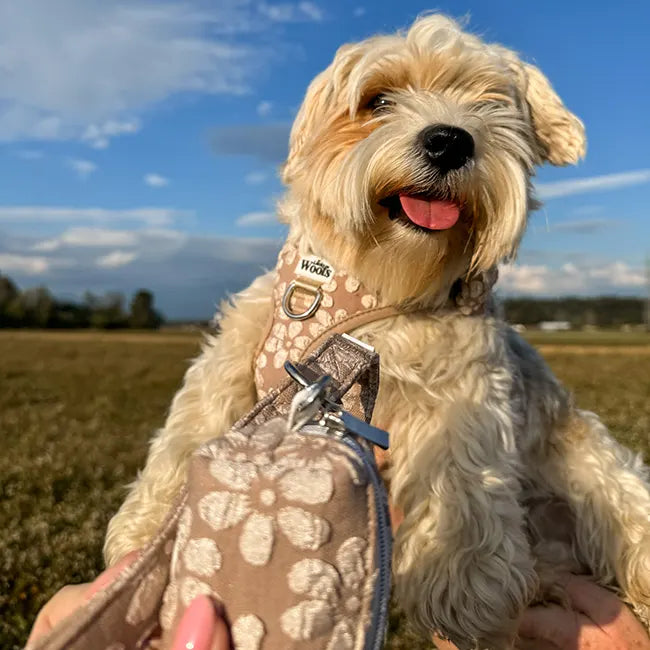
{"points": [[196, 629]]}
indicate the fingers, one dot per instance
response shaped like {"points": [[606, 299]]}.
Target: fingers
{"points": [[524, 643], [553, 624], [443, 644], [202, 627], [608, 616], [71, 597], [598, 603], [61, 605]]}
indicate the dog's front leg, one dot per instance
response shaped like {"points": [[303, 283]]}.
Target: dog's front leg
{"points": [[462, 562], [217, 390], [608, 489]]}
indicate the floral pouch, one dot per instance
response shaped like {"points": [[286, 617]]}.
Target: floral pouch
{"points": [[284, 519]]}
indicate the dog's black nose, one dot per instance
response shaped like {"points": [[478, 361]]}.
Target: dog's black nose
{"points": [[447, 147]]}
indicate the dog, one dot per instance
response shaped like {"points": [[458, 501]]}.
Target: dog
{"points": [[410, 167]]}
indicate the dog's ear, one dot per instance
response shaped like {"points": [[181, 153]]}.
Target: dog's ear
{"points": [[313, 107], [324, 91], [560, 135], [559, 132]]}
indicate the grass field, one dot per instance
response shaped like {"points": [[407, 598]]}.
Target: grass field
{"points": [[77, 409]]}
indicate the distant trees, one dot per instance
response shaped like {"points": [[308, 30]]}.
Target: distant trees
{"points": [[602, 311], [38, 308], [142, 314]]}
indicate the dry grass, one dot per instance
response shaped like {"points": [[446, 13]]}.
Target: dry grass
{"points": [[76, 412]]}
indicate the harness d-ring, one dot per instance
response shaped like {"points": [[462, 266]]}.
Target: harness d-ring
{"points": [[311, 310]]}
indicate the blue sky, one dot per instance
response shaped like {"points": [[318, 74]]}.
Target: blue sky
{"points": [[139, 141]]}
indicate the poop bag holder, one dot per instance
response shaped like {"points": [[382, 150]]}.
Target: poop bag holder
{"points": [[283, 519]]}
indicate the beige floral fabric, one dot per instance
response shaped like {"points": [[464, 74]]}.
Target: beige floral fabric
{"points": [[289, 513]]}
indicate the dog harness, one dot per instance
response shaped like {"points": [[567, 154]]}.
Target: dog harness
{"points": [[312, 301]]}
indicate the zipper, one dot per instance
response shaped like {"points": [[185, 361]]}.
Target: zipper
{"points": [[381, 599], [359, 436], [377, 627]]}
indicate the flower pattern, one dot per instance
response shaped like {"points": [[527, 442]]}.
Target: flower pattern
{"points": [[286, 342], [314, 452], [341, 296], [331, 604], [239, 471], [247, 632]]}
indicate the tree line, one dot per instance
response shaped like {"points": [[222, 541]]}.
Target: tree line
{"points": [[38, 308], [602, 311]]}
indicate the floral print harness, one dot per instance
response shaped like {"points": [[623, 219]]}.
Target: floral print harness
{"points": [[312, 301]]}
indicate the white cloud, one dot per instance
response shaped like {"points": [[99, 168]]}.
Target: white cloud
{"points": [[28, 264], [359, 11], [115, 259], [90, 237], [264, 108], [156, 217], [587, 210], [30, 154], [99, 135], [155, 180], [619, 275], [593, 184], [289, 12], [47, 245], [570, 278], [257, 219], [586, 226], [87, 69], [255, 178], [310, 10], [83, 168]]}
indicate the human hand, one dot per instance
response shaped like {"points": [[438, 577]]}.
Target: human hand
{"points": [[598, 620], [202, 627], [71, 597]]}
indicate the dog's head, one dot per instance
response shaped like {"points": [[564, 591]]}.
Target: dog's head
{"points": [[411, 157]]}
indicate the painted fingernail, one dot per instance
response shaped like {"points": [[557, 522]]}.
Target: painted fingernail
{"points": [[197, 626]]}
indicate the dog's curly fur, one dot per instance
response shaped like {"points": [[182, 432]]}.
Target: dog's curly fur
{"points": [[482, 432]]}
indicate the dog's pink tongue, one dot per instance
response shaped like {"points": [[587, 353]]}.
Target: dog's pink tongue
{"points": [[434, 215]]}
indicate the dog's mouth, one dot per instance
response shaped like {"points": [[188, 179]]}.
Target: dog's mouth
{"points": [[423, 212]]}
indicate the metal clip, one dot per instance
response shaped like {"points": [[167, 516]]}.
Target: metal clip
{"points": [[308, 402], [313, 398]]}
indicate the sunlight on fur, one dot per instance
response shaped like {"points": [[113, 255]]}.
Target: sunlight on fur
{"points": [[410, 167]]}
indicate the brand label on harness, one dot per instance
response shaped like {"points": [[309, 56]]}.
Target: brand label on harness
{"points": [[315, 269]]}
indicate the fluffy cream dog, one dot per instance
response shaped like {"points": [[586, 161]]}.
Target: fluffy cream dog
{"points": [[410, 167]]}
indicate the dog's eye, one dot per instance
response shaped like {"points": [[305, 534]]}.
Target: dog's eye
{"points": [[380, 103]]}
